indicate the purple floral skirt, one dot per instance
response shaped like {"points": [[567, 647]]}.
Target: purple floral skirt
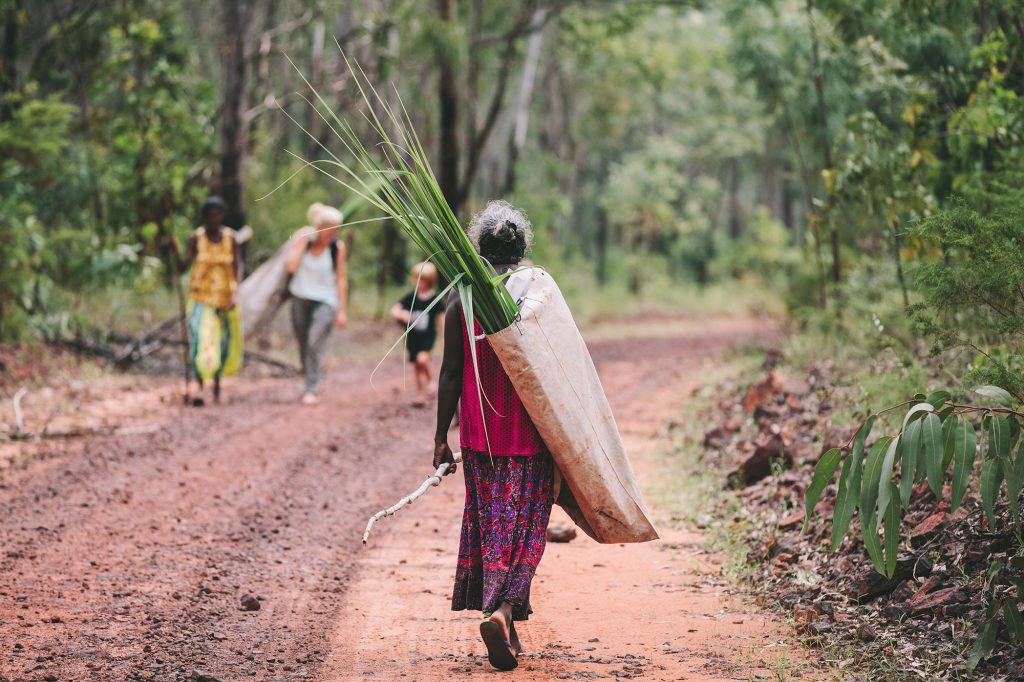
{"points": [[504, 531]]}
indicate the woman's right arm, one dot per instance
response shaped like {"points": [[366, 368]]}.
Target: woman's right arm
{"points": [[190, 253], [449, 383], [297, 246], [399, 313]]}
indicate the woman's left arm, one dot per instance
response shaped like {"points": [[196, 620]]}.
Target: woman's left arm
{"points": [[341, 272], [236, 251]]}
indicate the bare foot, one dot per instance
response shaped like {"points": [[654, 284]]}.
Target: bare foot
{"points": [[310, 399], [495, 633], [517, 646], [499, 618]]}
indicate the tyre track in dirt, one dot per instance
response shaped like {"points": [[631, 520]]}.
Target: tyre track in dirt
{"points": [[125, 557]]}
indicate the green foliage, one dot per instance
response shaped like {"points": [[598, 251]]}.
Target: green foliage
{"points": [[32, 141], [102, 146], [935, 432], [972, 292]]}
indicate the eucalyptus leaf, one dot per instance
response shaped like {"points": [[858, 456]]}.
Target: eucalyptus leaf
{"points": [[916, 412], [885, 478], [983, 645], [931, 435], [991, 477], [1014, 621], [850, 480], [892, 529], [846, 502], [1000, 395], [910, 449], [998, 436], [964, 449], [869, 490], [871, 542], [822, 475]]}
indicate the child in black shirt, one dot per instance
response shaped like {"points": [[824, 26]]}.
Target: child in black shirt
{"points": [[423, 328]]}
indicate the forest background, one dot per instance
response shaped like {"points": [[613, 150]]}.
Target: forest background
{"points": [[836, 153]]}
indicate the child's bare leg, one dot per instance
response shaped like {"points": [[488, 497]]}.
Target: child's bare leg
{"points": [[425, 374], [422, 374]]}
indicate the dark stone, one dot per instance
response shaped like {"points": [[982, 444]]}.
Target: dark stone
{"points": [[871, 584], [250, 602], [759, 464], [561, 533]]}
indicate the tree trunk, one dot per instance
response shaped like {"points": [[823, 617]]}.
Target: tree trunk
{"points": [[602, 247], [517, 138], [316, 79], [826, 142], [735, 211], [448, 101], [234, 131], [391, 263], [9, 58], [894, 227]]}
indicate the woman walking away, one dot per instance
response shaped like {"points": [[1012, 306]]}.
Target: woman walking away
{"points": [[319, 288], [508, 470], [422, 326], [215, 332]]}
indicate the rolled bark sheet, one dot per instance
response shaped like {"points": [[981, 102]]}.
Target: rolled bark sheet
{"points": [[549, 364], [261, 294]]}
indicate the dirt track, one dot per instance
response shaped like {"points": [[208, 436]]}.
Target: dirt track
{"points": [[125, 557]]}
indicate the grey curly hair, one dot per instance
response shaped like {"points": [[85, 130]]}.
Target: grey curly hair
{"points": [[501, 232]]}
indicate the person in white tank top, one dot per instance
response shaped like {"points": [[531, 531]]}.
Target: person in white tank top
{"points": [[319, 288]]}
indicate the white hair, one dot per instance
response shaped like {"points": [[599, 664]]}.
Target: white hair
{"points": [[498, 213], [327, 216], [313, 212]]}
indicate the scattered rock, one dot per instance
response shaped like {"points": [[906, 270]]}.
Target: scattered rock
{"points": [[718, 437], [250, 602], [947, 595], [930, 584], [927, 528], [759, 464], [866, 633], [757, 394], [561, 533], [203, 677], [794, 520], [871, 584]]}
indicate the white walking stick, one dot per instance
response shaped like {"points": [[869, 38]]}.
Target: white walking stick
{"points": [[430, 482]]}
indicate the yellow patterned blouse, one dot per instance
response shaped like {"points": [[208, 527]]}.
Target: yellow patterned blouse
{"points": [[213, 272]]}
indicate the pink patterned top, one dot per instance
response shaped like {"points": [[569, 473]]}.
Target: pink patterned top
{"points": [[509, 428]]}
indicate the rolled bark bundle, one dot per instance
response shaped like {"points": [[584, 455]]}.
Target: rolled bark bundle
{"points": [[261, 294], [549, 365]]}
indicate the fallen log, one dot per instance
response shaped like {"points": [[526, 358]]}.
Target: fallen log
{"points": [[122, 362], [408, 499]]}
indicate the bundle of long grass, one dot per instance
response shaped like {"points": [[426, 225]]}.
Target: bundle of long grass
{"points": [[400, 182]]}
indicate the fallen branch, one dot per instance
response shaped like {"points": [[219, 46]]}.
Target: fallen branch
{"points": [[430, 482]]}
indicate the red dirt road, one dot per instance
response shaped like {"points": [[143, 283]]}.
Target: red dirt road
{"points": [[125, 557]]}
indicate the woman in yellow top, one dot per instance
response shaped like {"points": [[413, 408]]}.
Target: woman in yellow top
{"points": [[216, 264]]}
